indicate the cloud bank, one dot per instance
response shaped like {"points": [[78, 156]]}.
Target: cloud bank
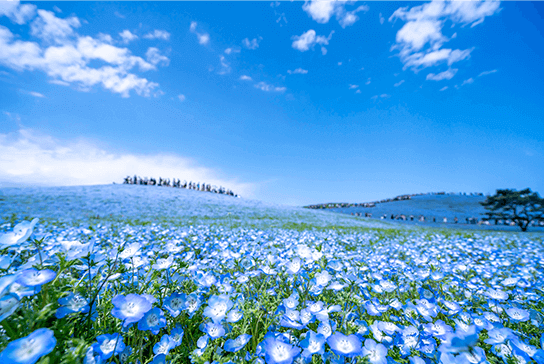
{"points": [[67, 57], [30, 158]]}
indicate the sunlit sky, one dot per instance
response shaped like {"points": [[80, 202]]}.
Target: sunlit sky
{"points": [[285, 102]]}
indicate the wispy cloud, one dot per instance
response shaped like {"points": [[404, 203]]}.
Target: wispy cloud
{"points": [[36, 94], [399, 83], [308, 40], [444, 88], [181, 97], [245, 78], [232, 50], [127, 36], [382, 96], [299, 71], [225, 67], [27, 157], [17, 13], [322, 11], [485, 73], [468, 81], [203, 38], [351, 87], [158, 34], [251, 44], [67, 58], [420, 40], [446, 75], [268, 88]]}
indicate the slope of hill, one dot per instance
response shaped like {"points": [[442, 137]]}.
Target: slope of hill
{"points": [[153, 204]]}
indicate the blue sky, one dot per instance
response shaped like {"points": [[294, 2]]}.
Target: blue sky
{"points": [[287, 102]]}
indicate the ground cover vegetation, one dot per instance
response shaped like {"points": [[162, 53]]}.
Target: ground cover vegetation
{"points": [[126, 274]]}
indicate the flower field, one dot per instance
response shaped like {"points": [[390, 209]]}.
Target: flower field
{"points": [[138, 274]]}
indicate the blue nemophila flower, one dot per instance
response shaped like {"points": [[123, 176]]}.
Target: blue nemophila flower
{"points": [[28, 349], [20, 233], [130, 309], [159, 359], [71, 304], [8, 305], [344, 345], [278, 352], [177, 334], [123, 356], [237, 344], [163, 263], [109, 345], [496, 294], [164, 346], [234, 316], [459, 341], [291, 302], [518, 314], [21, 291], [192, 303], [217, 307], [175, 304], [312, 344], [153, 321], [33, 277], [375, 353], [438, 329], [294, 266], [214, 330]]}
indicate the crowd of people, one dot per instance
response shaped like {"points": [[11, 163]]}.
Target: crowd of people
{"points": [[335, 205], [177, 183]]}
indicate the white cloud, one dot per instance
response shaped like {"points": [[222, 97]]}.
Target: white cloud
{"points": [[484, 73], [399, 83], [368, 81], [154, 57], [158, 34], [17, 13], [358, 91], [444, 88], [52, 29], [232, 50], [322, 11], [297, 71], [36, 94], [225, 67], [446, 75], [69, 61], [27, 157], [106, 38], [127, 36], [245, 78], [309, 39], [351, 87], [251, 44], [203, 38], [382, 96], [348, 18], [420, 40], [266, 87], [468, 82], [181, 97], [382, 19], [119, 15]]}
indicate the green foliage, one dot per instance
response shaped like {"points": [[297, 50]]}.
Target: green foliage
{"points": [[521, 207]]}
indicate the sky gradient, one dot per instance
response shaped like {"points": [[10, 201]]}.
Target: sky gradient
{"points": [[286, 102]]}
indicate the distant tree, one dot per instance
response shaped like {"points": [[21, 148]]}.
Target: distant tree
{"points": [[521, 207]]}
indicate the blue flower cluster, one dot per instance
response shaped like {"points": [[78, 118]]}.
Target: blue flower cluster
{"points": [[164, 292]]}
